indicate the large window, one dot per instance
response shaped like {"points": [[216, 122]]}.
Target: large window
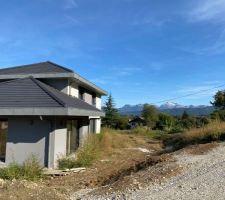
{"points": [[72, 136], [3, 138]]}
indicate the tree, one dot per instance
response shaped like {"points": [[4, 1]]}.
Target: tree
{"points": [[219, 100], [111, 113], [122, 123], [185, 115], [166, 122], [151, 115]]}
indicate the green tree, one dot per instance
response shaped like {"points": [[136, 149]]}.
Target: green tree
{"points": [[185, 115], [111, 113], [151, 115], [219, 100], [122, 123], [166, 122]]}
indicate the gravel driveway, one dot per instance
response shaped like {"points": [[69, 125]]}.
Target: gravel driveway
{"points": [[203, 178]]}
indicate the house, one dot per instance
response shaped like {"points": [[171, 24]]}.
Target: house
{"points": [[46, 110], [137, 121]]}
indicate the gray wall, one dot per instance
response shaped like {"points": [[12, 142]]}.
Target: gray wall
{"points": [[27, 136], [59, 84], [57, 142], [83, 130]]}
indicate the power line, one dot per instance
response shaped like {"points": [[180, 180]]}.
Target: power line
{"points": [[188, 95]]}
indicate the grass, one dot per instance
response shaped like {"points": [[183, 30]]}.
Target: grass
{"points": [[214, 131], [29, 170], [99, 146]]}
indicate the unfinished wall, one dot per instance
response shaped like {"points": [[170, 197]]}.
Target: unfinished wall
{"points": [[27, 136], [60, 84], [57, 142], [74, 91]]}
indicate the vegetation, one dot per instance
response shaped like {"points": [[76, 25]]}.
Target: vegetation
{"points": [[151, 115], [111, 113], [211, 132], [29, 170], [219, 100], [99, 146]]}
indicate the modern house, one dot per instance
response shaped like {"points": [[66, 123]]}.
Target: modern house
{"points": [[46, 110]]}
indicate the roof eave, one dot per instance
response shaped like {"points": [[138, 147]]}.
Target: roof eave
{"points": [[49, 112], [57, 75]]}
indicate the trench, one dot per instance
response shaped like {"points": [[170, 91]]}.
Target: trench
{"points": [[138, 166]]}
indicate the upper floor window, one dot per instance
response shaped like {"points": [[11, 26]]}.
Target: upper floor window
{"points": [[94, 99], [81, 93]]}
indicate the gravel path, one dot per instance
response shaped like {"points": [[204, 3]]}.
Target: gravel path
{"points": [[203, 177]]}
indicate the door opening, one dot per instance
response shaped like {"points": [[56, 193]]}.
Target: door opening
{"points": [[72, 136], [3, 139]]}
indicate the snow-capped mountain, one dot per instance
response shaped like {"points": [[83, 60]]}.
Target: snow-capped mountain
{"points": [[169, 107]]}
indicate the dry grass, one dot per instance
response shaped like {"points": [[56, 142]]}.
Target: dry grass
{"points": [[98, 146], [212, 132]]}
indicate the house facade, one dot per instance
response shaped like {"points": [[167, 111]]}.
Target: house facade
{"points": [[46, 110]]}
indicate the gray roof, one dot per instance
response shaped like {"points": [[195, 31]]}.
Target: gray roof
{"points": [[30, 96], [47, 70], [37, 68]]}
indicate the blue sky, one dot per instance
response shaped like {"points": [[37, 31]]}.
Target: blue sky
{"points": [[139, 50]]}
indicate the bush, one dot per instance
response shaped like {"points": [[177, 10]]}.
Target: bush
{"points": [[211, 132], [29, 170], [67, 163]]}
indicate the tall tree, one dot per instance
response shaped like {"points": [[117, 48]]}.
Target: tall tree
{"points": [[150, 114], [111, 113], [185, 115], [219, 100]]}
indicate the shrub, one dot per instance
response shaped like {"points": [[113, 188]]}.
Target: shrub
{"points": [[211, 132], [67, 163], [29, 170]]}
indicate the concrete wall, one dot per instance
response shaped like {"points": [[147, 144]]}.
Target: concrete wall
{"points": [[74, 91], [57, 142], [88, 98], [27, 136], [98, 102], [60, 84], [83, 130]]}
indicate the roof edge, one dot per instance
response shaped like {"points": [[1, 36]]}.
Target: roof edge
{"points": [[45, 111]]}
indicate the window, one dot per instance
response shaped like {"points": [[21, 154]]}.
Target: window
{"points": [[81, 93], [94, 99]]}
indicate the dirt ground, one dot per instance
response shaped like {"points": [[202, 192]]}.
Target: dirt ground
{"points": [[127, 169]]}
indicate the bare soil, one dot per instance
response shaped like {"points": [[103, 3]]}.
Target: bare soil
{"points": [[126, 169]]}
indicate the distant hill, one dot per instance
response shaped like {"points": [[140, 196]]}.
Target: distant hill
{"points": [[169, 107]]}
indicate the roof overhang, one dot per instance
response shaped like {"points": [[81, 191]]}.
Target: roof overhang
{"points": [[49, 112], [72, 76]]}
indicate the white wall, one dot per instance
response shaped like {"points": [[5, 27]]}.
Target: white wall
{"points": [[98, 102], [74, 91]]}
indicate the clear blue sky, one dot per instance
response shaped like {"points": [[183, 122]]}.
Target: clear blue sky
{"points": [[139, 50]]}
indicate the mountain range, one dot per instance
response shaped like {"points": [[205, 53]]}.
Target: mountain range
{"points": [[169, 107]]}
